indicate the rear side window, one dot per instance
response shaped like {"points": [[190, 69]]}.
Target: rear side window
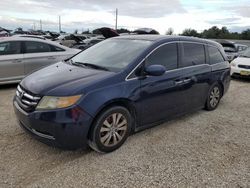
{"points": [[215, 55], [165, 55], [56, 49], [36, 47], [9, 48], [193, 54]]}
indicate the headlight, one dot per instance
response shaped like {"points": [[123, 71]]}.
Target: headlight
{"points": [[50, 102], [233, 64]]}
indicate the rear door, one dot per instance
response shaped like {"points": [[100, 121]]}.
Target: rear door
{"points": [[196, 74], [39, 54], [11, 61]]}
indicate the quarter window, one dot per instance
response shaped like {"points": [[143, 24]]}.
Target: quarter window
{"points": [[8, 48], [36, 47], [215, 55], [165, 55], [193, 54]]}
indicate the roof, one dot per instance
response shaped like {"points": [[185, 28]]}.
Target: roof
{"points": [[166, 38], [3, 29], [146, 37]]}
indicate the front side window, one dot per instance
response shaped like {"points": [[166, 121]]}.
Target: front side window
{"points": [[166, 55], [113, 54], [36, 47], [214, 55], [193, 54], [9, 48]]}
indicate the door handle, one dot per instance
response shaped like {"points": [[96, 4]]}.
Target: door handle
{"points": [[17, 61]]}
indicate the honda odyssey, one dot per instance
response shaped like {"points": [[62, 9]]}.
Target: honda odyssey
{"points": [[120, 86]]}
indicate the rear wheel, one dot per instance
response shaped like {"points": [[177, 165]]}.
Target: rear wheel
{"points": [[214, 96], [111, 129]]}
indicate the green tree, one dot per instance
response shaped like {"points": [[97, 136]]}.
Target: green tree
{"points": [[190, 32], [123, 30], [211, 33], [246, 34], [170, 31]]}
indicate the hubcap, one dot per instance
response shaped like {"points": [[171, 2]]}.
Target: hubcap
{"points": [[214, 97], [113, 129]]}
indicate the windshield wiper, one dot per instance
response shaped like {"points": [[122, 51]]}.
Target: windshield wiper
{"points": [[88, 65]]}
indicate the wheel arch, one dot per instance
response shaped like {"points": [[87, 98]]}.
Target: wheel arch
{"points": [[126, 103]]}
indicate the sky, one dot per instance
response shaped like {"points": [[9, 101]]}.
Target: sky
{"points": [[157, 14]]}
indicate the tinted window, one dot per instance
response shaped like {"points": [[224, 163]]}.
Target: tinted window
{"points": [[215, 55], [165, 55], [193, 54], [8, 48], [36, 47], [56, 49], [94, 41]]}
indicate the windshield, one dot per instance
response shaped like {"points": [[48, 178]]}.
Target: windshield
{"points": [[112, 54], [229, 49], [246, 53]]}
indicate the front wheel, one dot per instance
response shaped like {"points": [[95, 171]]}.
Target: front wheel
{"points": [[111, 129], [214, 96]]}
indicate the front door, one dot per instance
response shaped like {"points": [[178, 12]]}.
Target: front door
{"points": [[11, 61], [162, 97], [37, 55]]}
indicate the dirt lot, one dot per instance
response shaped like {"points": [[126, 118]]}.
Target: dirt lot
{"points": [[204, 149]]}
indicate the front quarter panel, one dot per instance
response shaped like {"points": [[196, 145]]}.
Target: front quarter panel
{"points": [[96, 100]]}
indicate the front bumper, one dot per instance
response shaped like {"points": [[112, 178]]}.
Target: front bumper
{"points": [[236, 71], [64, 128]]}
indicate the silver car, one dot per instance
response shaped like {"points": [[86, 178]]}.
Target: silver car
{"points": [[20, 56]]}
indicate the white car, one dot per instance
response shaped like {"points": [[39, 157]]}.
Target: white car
{"points": [[241, 65], [20, 56]]}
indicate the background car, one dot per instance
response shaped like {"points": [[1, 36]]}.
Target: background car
{"points": [[20, 56], [104, 33], [241, 48], [241, 65], [31, 36], [71, 39], [232, 49]]}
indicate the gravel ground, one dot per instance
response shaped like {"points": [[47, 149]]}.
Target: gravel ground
{"points": [[203, 149]]}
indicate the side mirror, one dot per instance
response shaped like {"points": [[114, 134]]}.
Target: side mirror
{"points": [[155, 70]]}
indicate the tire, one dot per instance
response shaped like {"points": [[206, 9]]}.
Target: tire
{"points": [[107, 136], [214, 96]]}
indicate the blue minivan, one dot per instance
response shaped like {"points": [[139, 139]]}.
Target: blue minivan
{"points": [[120, 86]]}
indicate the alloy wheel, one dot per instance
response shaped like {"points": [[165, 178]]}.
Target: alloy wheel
{"points": [[214, 97], [113, 129]]}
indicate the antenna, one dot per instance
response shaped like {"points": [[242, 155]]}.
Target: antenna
{"points": [[116, 18], [60, 24], [41, 25]]}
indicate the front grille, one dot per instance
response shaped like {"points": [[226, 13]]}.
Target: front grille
{"points": [[26, 100], [244, 66]]}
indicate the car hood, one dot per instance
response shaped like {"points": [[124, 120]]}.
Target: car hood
{"points": [[62, 79], [242, 60]]}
